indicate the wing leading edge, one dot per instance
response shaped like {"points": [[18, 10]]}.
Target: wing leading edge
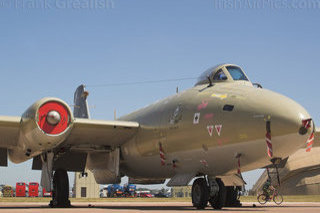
{"points": [[9, 131], [101, 133]]}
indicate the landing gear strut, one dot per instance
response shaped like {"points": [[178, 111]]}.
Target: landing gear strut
{"points": [[60, 193]]}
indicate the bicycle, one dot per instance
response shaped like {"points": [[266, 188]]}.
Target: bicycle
{"points": [[276, 197]]}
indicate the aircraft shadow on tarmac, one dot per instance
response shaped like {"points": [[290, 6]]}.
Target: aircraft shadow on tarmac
{"points": [[156, 208]]}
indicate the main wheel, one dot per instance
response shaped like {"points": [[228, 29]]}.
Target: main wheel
{"points": [[232, 198], [219, 200], [262, 199], [200, 193], [60, 195], [278, 199]]}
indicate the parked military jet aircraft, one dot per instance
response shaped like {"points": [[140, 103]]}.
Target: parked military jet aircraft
{"points": [[213, 131]]}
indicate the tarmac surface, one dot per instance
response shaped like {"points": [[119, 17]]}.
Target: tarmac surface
{"points": [[164, 207]]}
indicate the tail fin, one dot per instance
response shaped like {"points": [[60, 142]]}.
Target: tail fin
{"points": [[81, 109]]}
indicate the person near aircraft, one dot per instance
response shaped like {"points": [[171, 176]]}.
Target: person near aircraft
{"points": [[268, 188]]}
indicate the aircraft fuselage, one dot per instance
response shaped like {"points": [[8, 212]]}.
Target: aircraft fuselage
{"points": [[204, 128]]}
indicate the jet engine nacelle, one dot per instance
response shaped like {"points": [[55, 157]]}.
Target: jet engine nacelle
{"points": [[43, 127]]}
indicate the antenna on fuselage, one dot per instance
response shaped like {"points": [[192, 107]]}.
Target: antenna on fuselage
{"points": [[177, 90], [210, 82], [115, 114]]}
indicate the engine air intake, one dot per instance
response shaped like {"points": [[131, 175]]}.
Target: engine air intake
{"points": [[53, 118]]}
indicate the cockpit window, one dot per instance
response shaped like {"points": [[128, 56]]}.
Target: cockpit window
{"points": [[220, 76], [237, 73]]}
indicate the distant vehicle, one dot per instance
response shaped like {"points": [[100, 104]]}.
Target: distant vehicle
{"points": [[45, 193], [130, 190], [33, 189], [160, 194], [20, 189], [104, 192], [7, 191], [115, 190], [147, 195]]}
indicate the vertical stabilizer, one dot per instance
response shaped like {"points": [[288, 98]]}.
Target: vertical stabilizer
{"points": [[81, 109]]}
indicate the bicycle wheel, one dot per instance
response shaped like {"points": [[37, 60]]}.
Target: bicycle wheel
{"points": [[262, 199], [278, 199]]}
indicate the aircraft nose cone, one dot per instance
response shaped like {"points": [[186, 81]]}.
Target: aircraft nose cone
{"points": [[283, 117], [287, 121], [53, 117], [291, 117], [287, 116]]}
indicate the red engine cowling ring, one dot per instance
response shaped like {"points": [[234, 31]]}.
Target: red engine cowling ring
{"points": [[64, 118]]}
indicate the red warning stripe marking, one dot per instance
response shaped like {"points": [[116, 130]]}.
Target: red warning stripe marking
{"points": [[269, 144], [174, 165], [162, 157], [239, 166], [310, 142], [204, 162]]}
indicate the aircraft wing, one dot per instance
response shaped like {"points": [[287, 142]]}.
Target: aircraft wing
{"points": [[101, 133], [9, 131], [84, 131]]}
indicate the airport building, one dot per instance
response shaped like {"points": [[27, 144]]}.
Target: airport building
{"points": [[300, 176], [85, 186]]}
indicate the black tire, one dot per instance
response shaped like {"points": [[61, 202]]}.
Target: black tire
{"points": [[262, 199], [60, 194], [218, 202], [200, 193], [232, 198], [278, 199]]}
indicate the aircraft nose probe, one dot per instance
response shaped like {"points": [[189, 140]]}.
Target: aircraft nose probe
{"points": [[53, 117]]}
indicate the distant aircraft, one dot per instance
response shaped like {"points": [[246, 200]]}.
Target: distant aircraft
{"points": [[222, 126]]}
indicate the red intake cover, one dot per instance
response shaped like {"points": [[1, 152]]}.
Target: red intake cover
{"points": [[64, 118]]}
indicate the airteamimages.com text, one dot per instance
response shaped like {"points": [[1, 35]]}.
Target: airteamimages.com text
{"points": [[266, 4]]}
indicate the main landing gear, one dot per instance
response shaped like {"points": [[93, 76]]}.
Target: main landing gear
{"points": [[206, 190], [60, 193]]}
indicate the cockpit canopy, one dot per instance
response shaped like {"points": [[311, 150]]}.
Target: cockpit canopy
{"points": [[223, 73]]}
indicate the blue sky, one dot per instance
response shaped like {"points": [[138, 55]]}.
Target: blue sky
{"points": [[49, 51]]}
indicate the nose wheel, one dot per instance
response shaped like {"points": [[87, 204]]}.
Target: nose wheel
{"points": [[60, 193]]}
